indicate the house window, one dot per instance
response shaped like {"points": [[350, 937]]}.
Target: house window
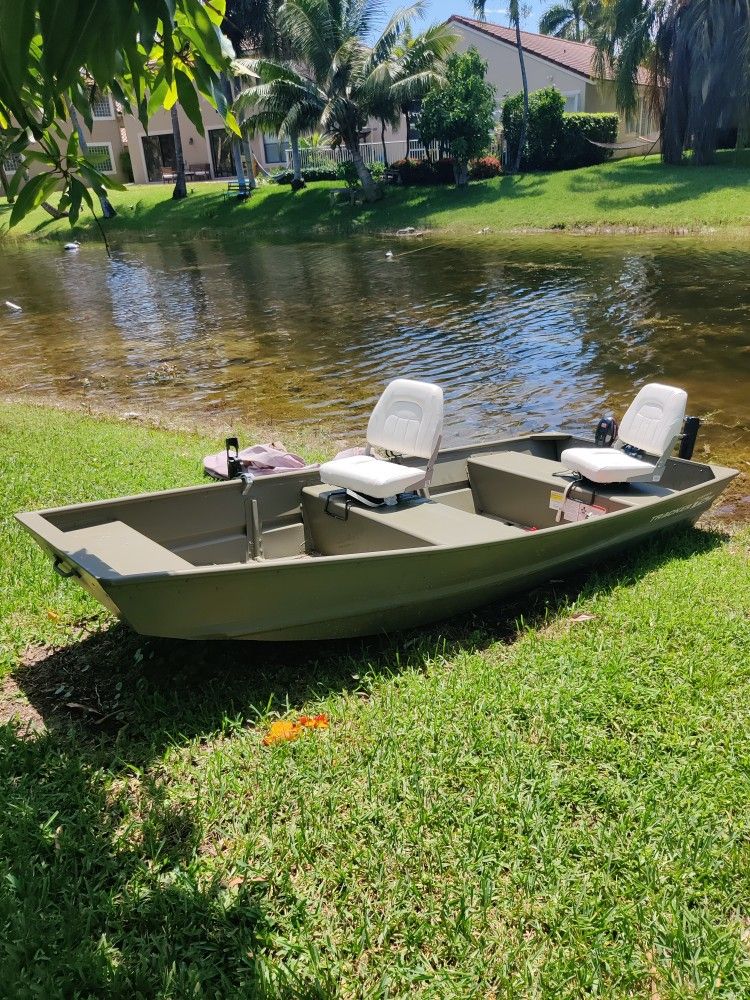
{"points": [[101, 105], [639, 121], [275, 149], [12, 163], [572, 101], [100, 154]]}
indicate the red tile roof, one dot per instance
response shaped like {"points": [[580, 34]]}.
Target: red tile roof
{"points": [[575, 56]]}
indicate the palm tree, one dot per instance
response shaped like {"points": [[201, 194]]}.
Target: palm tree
{"points": [[515, 13], [334, 78], [180, 187], [284, 103], [697, 56], [422, 59], [570, 19]]}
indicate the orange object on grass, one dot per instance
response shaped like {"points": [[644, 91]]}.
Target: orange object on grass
{"points": [[282, 730]]}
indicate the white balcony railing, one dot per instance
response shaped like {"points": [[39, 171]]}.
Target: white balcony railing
{"points": [[372, 152]]}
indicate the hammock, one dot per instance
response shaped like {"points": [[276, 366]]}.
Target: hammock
{"points": [[640, 141]]}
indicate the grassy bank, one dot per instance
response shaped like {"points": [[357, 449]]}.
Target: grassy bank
{"points": [[551, 805], [635, 193]]}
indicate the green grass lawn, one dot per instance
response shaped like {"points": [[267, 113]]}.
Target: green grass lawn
{"points": [[641, 193], [517, 804]]}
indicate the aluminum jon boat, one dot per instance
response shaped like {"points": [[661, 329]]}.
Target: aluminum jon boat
{"points": [[368, 545]]}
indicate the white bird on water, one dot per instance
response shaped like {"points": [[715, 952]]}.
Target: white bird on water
{"points": [[73, 247], [389, 255], [12, 307]]}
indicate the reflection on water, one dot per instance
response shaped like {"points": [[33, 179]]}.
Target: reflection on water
{"points": [[527, 333]]}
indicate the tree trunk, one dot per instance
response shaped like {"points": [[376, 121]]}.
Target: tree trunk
{"points": [[248, 151], [238, 168], [108, 209], [382, 143], [408, 133], [54, 212], [525, 119], [743, 133], [297, 181], [4, 185], [461, 173], [235, 142], [369, 187], [180, 188]]}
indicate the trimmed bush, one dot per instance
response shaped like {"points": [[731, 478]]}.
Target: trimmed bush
{"points": [[425, 172], [543, 131], [556, 140], [573, 148], [283, 176], [484, 167]]}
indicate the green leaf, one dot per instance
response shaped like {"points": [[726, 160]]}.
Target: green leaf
{"points": [[158, 94], [77, 190], [197, 27], [189, 100], [171, 96], [16, 32], [232, 123], [217, 10], [31, 196]]}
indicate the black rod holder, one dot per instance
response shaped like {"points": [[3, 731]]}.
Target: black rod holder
{"points": [[687, 438]]}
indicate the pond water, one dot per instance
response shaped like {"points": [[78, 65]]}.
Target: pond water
{"points": [[527, 333]]}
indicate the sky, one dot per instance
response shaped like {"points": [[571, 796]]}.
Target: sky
{"points": [[495, 10]]}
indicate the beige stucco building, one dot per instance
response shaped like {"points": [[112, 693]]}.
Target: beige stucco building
{"points": [[206, 156], [550, 62], [105, 140]]}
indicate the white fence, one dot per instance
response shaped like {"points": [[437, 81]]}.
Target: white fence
{"points": [[372, 152]]}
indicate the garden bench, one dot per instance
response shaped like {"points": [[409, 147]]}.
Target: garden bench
{"points": [[237, 190], [198, 172]]}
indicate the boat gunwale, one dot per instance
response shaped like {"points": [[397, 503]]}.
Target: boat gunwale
{"points": [[41, 527]]}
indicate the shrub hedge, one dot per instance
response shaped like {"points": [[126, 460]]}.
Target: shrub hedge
{"points": [[432, 172], [484, 168], [556, 140], [574, 150], [284, 176], [419, 172]]}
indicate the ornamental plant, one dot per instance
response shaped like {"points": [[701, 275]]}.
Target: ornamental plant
{"points": [[459, 115]]}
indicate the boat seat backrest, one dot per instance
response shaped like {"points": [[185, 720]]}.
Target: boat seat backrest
{"points": [[407, 419], [654, 419]]}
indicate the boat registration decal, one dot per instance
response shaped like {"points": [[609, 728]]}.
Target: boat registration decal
{"points": [[574, 510]]}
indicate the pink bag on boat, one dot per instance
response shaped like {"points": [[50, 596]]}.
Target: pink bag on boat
{"points": [[259, 459]]}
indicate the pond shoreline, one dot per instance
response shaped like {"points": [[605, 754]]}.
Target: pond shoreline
{"points": [[626, 197]]}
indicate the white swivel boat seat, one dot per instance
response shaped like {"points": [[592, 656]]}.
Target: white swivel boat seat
{"points": [[645, 440], [407, 421]]}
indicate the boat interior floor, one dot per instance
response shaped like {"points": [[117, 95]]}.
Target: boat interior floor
{"points": [[478, 496]]}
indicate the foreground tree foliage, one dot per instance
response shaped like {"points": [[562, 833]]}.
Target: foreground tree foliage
{"points": [[698, 59], [459, 115], [54, 53]]}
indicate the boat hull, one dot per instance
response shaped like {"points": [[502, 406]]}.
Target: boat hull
{"points": [[298, 594], [363, 595]]}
